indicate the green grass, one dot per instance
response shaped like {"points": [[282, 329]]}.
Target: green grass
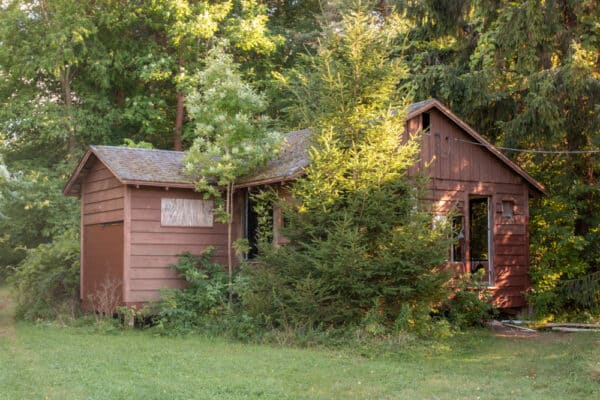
{"points": [[45, 362]]}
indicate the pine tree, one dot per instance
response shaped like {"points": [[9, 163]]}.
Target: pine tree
{"points": [[358, 238]]}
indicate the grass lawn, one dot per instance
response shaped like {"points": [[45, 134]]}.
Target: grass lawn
{"points": [[44, 362]]}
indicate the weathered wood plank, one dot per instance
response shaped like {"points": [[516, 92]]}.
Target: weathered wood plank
{"points": [[99, 174], [103, 206], [178, 238], [155, 284], [153, 273], [155, 227], [109, 194], [171, 249], [101, 185], [103, 217]]}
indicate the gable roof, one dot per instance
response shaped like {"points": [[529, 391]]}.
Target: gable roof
{"points": [[421, 107], [164, 168], [133, 166]]}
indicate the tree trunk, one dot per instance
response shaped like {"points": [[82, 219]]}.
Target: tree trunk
{"points": [[179, 113], [229, 208], [65, 81]]}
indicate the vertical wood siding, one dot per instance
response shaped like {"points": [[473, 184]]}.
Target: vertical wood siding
{"points": [[102, 262], [459, 170]]}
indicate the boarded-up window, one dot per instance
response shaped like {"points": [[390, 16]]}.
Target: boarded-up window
{"points": [[186, 212]]}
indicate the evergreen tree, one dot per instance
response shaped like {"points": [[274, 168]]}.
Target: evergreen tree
{"points": [[358, 238], [526, 75]]}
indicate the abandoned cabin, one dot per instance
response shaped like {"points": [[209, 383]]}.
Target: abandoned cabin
{"points": [[139, 211]]}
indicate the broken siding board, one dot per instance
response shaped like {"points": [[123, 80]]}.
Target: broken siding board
{"points": [[104, 217]]}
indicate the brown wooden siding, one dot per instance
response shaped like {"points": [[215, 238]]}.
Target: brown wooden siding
{"points": [[102, 261], [458, 170], [154, 247], [102, 196]]}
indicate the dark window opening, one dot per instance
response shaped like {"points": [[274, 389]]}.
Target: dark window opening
{"points": [[425, 121], [252, 228]]}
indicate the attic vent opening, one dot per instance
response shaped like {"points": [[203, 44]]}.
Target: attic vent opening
{"points": [[425, 121]]}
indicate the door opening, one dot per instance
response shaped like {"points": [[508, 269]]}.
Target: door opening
{"points": [[481, 238], [252, 222]]}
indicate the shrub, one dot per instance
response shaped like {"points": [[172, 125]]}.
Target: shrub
{"points": [[204, 298], [470, 305], [46, 282]]}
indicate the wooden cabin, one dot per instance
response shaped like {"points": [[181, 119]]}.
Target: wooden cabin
{"points": [[139, 211]]}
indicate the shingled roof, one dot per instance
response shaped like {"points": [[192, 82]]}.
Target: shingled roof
{"points": [[163, 168]]}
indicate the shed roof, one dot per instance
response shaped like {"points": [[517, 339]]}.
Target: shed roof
{"points": [[164, 168]]}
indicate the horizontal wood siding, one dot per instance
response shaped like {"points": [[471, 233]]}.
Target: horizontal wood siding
{"points": [[103, 196], [154, 247]]}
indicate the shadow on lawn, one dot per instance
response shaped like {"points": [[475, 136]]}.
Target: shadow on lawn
{"points": [[7, 328]]}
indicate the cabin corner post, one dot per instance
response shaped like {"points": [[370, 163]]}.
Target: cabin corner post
{"points": [[81, 241], [527, 240], [126, 244]]}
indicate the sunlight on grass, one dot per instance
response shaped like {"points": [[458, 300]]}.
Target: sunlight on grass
{"points": [[70, 363], [48, 362]]}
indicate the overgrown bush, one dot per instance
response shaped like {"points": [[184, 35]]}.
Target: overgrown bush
{"points": [[46, 282], [360, 241], [204, 299], [470, 305]]}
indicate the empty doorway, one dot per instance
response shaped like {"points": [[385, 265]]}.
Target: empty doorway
{"points": [[481, 238]]}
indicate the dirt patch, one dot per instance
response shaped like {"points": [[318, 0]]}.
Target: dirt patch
{"points": [[506, 331]]}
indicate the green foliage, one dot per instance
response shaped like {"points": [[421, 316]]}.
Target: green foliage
{"points": [[230, 136], [138, 145], [358, 238], [33, 211], [470, 304], [583, 292], [47, 281], [204, 297], [525, 74]]}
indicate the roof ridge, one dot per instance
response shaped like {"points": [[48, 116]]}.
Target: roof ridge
{"points": [[96, 146]]}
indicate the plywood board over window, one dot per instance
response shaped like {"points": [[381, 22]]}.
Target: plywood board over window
{"points": [[186, 212]]}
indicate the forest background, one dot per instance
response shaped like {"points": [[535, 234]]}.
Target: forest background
{"points": [[526, 75]]}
